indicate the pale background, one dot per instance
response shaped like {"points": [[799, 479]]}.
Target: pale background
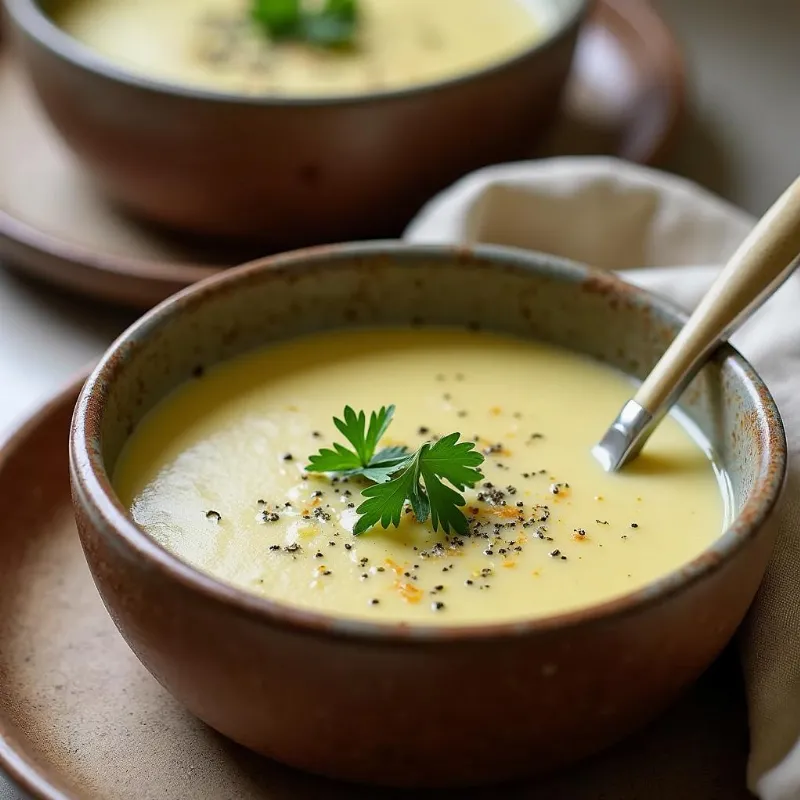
{"points": [[742, 140]]}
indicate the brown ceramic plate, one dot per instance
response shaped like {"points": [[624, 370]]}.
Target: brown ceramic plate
{"points": [[81, 718], [625, 98]]}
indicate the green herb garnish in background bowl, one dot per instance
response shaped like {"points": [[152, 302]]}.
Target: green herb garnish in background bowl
{"points": [[333, 24], [400, 476]]}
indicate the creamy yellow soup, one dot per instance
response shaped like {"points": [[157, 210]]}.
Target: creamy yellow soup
{"points": [[214, 43], [215, 473]]}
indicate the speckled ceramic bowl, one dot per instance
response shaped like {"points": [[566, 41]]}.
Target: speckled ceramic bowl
{"points": [[290, 171], [401, 705]]}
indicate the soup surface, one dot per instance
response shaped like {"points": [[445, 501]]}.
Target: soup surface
{"points": [[216, 474], [214, 44]]}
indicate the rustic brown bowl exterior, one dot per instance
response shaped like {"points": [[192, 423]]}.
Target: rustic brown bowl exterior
{"points": [[393, 704], [288, 172]]}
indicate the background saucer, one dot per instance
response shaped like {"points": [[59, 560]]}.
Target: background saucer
{"points": [[625, 98]]}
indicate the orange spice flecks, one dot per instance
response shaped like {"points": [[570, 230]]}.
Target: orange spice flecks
{"points": [[507, 512], [509, 564], [495, 411], [536, 573], [409, 592], [522, 539], [394, 566], [577, 537], [315, 502]]}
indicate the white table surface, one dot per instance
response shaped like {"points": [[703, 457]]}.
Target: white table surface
{"points": [[741, 140]]}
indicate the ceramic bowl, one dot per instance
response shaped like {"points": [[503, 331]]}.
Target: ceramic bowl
{"points": [[394, 704], [287, 171]]}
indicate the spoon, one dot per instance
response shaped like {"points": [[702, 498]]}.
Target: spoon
{"points": [[762, 263]]}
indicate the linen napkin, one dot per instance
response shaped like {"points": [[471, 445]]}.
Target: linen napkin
{"points": [[671, 237]]}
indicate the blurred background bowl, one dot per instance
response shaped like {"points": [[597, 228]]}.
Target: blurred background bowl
{"points": [[282, 170]]}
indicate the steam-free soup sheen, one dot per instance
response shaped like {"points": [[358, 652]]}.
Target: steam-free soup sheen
{"points": [[214, 44], [215, 473]]}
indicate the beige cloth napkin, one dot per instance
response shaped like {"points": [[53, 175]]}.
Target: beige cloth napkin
{"points": [[672, 236]]}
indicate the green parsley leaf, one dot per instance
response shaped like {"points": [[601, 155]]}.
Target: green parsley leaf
{"points": [[421, 483], [378, 425], [385, 501], [328, 30], [334, 25], [362, 459], [340, 459], [281, 18], [456, 462], [344, 9]]}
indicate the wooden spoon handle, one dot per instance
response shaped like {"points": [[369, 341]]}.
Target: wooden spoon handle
{"points": [[765, 260]]}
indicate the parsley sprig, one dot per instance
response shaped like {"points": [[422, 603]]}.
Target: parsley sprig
{"points": [[399, 476], [333, 25], [363, 458]]}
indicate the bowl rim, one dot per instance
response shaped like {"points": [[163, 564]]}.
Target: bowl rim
{"points": [[31, 18], [95, 497]]}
